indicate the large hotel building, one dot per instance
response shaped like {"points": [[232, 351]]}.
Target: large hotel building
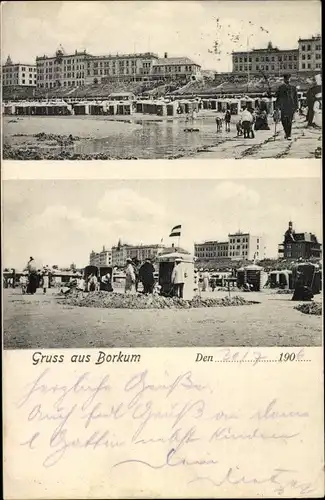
{"points": [[272, 61], [240, 246], [80, 68]]}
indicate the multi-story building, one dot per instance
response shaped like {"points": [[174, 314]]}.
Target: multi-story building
{"points": [[80, 68], [101, 259], [245, 246], [265, 62], [211, 250], [310, 53], [119, 67], [62, 70], [121, 252], [18, 74], [299, 245], [174, 68]]}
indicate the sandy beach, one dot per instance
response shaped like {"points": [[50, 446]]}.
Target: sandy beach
{"points": [[45, 322]]}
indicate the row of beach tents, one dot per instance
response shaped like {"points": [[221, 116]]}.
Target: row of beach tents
{"points": [[159, 107]]}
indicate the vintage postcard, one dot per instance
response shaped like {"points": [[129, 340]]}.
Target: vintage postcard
{"points": [[168, 331], [162, 320]]}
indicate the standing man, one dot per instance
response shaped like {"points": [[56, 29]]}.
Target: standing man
{"points": [[287, 103], [228, 120], [146, 275], [178, 279], [32, 276]]}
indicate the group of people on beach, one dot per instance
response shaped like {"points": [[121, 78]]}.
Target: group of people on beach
{"points": [[136, 273], [286, 105]]}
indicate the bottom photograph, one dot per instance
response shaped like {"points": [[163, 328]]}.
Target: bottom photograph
{"points": [[162, 263]]}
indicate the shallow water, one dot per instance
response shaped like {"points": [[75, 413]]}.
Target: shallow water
{"points": [[135, 137]]}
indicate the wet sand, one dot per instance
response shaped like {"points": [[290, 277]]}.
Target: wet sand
{"points": [[147, 136], [44, 322]]}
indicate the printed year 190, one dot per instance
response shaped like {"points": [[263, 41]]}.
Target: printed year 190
{"points": [[291, 356]]}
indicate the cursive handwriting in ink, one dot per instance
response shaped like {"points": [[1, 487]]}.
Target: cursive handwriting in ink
{"points": [[79, 387]]}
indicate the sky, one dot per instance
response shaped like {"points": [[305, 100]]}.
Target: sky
{"points": [[60, 222], [180, 28]]}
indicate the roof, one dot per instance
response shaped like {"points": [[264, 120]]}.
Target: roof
{"points": [[166, 61], [312, 39], [12, 64], [120, 93], [266, 50], [178, 250]]}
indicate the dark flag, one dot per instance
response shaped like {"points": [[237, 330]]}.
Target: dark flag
{"points": [[176, 231]]}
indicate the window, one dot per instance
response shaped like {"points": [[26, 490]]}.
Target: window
{"points": [[308, 47], [272, 58], [257, 66], [309, 65], [303, 47], [308, 56], [290, 58], [303, 65], [266, 67], [303, 57], [272, 67]]}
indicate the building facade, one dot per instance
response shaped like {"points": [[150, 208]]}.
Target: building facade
{"points": [[17, 74], [299, 245], [62, 70], [268, 61], [101, 259], [123, 67], [245, 246], [80, 68], [121, 252], [310, 53], [211, 250], [174, 68]]}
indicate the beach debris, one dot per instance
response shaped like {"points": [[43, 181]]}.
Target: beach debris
{"points": [[141, 301], [314, 308]]}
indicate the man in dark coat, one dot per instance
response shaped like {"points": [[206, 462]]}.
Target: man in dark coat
{"points": [[146, 275], [287, 103]]}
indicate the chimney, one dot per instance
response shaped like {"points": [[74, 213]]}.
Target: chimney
{"points": [[166, 55]]}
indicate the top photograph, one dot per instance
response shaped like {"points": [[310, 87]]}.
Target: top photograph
{"points": [[112, 80]]}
